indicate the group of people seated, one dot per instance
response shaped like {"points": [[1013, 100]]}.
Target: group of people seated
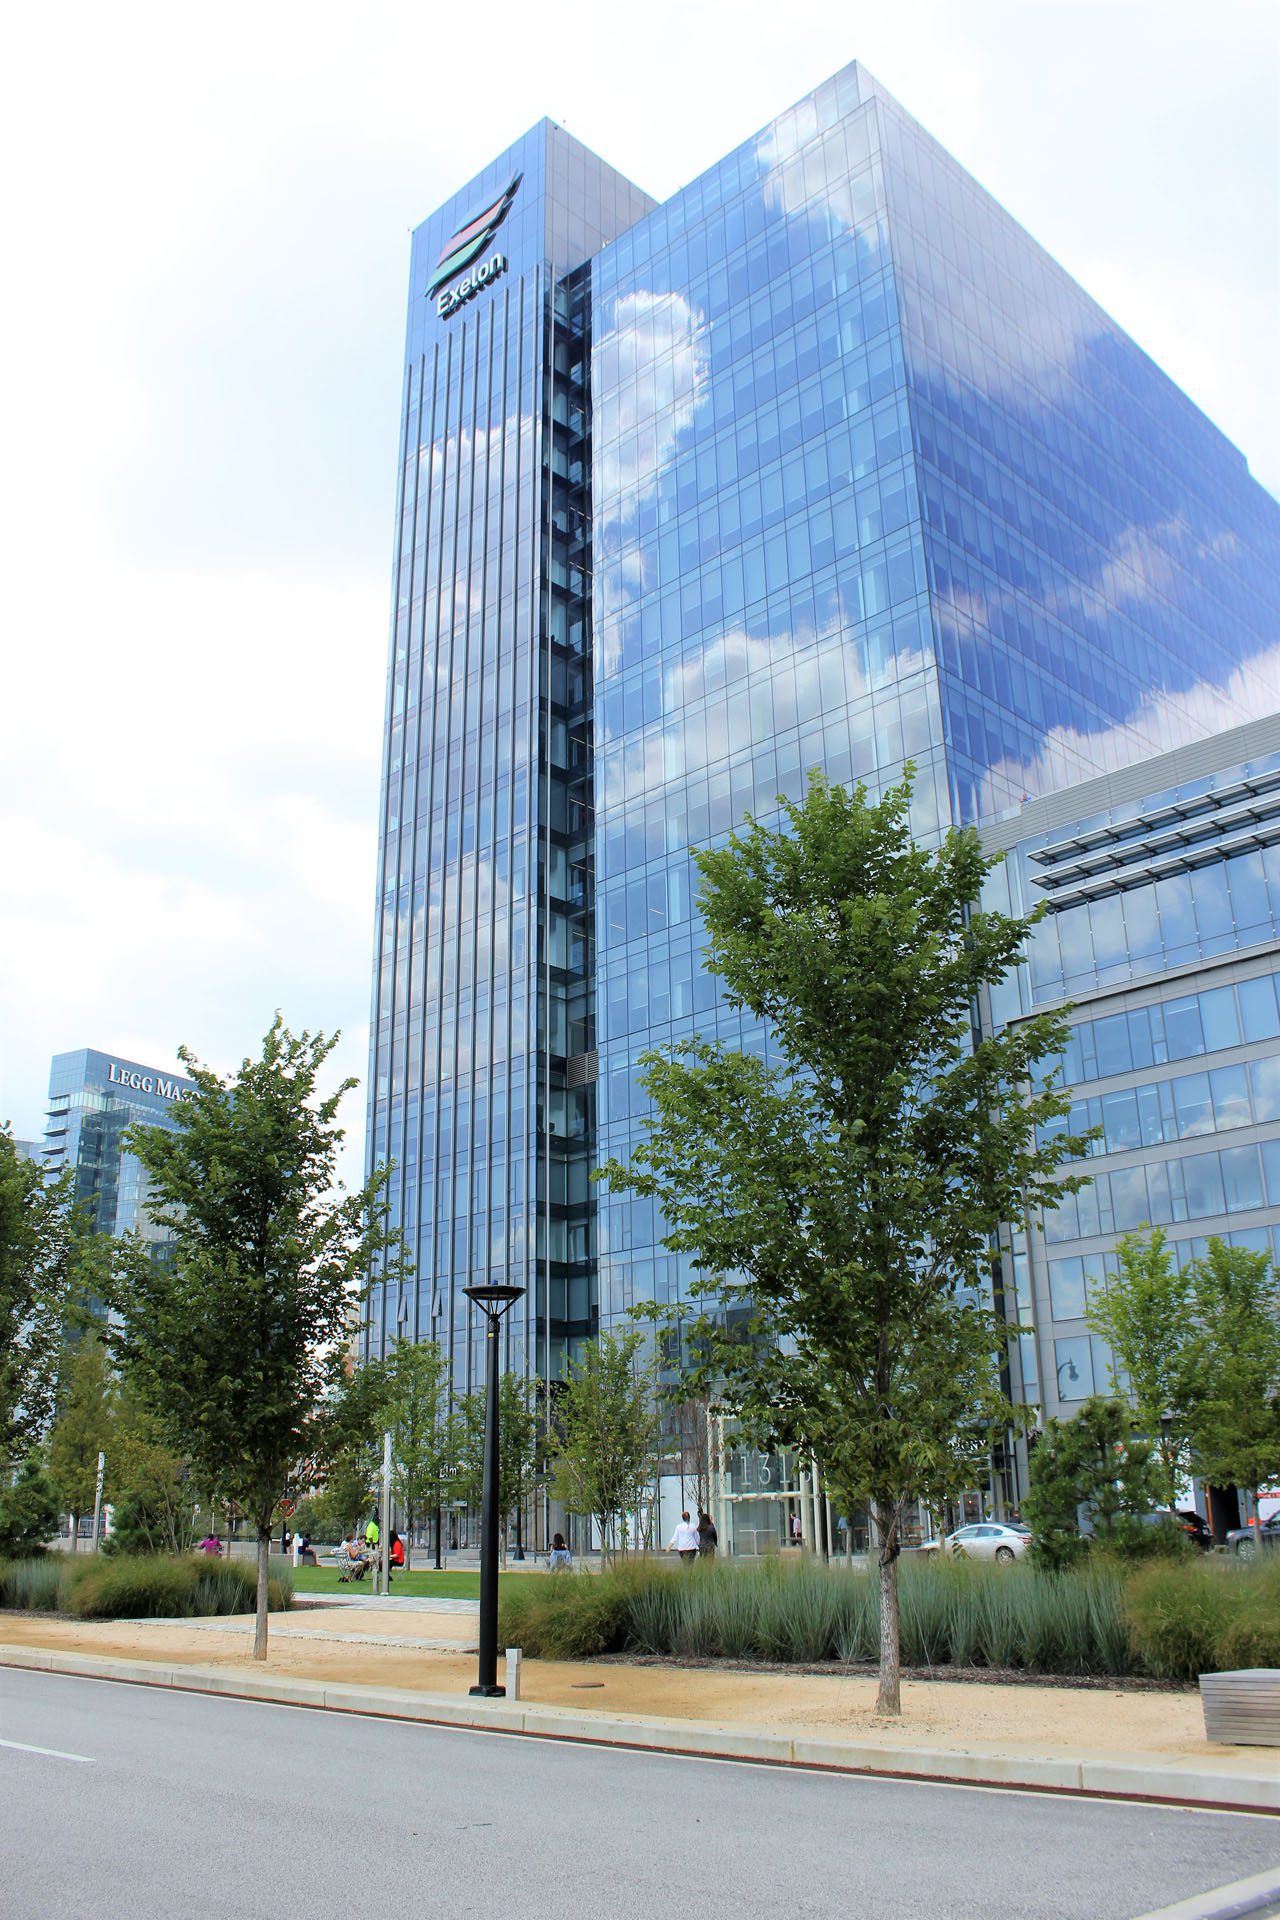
{"points": [[361, 1554]]}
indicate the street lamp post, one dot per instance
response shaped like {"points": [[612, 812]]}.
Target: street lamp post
{"points": [[493, 1301]]}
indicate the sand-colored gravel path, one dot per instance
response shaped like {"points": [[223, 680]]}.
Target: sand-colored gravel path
{"points": [[412, 1649]]}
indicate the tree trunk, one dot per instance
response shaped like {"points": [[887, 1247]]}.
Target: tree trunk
{"points": [[74, 1521], [889, 1698], [260, 1621]]}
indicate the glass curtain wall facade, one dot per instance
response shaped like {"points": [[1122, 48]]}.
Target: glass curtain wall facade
{"points": [[479, 1088], [94, 1099], [1162, 888], [823, 462], [874, 481]]}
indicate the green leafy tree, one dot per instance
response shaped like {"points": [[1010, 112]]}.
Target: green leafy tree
{"points": [[519, 1447], [28, 1511], [83, 1428], [1144, 1312], [355, 1419], [232, 1340], [157, 1508], [43, 1249], [1097, 1468], [843, 1204], [605, 1430], [1234, 1367], [425, 1438]]}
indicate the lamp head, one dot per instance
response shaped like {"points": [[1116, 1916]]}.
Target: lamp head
{"points": [[493, 1297]]}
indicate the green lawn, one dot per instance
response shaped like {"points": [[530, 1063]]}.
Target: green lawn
{"points": [[425, 1585]]}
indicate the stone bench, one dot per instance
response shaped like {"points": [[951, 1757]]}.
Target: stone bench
{"points": [[1242, 1709]]}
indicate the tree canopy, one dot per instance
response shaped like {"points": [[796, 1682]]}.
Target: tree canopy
{"points": [[841, 1187], [1198, 1353], [1096, 1467], [519, 1445], [1144, 1311], [425, 1431], [45, 1255], [232, 1338], [84, 1427], [1234, 1365], [604, 1431]]}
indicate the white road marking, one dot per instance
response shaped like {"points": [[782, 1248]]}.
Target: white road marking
{"points": [[53, 1753]]}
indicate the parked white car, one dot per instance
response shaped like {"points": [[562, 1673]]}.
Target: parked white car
{"points": [[989, 1540]]}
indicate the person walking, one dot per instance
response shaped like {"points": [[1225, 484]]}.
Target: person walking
{"points": [[684, 1541], [708, 1538], [559, 1560], [372, 1534]]}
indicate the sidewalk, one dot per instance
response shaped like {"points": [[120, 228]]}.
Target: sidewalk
{"points": [[416, 1662]]}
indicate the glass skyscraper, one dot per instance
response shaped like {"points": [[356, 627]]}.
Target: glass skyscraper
{"points": [[823, 462], [94, 1099]]}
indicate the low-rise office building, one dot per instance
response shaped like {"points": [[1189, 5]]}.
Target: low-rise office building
{"points": [[1162, 932]]}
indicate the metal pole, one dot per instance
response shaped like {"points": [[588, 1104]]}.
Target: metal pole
{"points": [[487, 1685], [97, 1498], [385, 1536]]}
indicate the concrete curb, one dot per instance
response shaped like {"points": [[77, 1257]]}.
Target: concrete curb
{"points": [[1231, 1902], [1099, 1776]]}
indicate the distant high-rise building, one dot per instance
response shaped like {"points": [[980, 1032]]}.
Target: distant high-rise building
{"points": [[824, 462], [94, 1098]]}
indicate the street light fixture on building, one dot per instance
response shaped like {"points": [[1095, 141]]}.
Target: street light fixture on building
{"points": [[493, 1300]]}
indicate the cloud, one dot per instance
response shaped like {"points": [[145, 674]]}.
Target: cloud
{"points": [[1163, 719], [649, 377]]}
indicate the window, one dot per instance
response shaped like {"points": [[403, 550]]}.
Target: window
{"points": [[1264, 1085], [1202, 1179], [1218, 1019], [1229, 1087], [1184, 1034], [1258, 1008], [1241, 1178], [1073, 1360]]}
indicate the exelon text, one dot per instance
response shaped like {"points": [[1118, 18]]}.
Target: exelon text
{"points": [[451, 298]]}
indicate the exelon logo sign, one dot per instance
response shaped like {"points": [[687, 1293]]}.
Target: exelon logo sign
{"points": [[464, 249]]}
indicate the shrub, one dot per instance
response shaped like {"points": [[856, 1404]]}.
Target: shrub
{"points": [[1201, 1616], [134, 1587], [152, 1587], [953, 1613], [231, 1586], [569, 1617], [43, 1583], [31, 1585]]}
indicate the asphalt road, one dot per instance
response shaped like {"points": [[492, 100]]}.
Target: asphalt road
{"points": [[154, 1805]]}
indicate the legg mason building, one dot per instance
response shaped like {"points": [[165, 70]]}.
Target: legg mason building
{"points": [[822, 462]]}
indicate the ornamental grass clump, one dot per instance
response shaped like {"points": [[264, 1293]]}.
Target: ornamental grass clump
{"points": [[42, 1583], [31, 1586], [1205, 1616], [1170, 1621], [159, 1587], [569, 1616], [230, 1586], [134, 1587]]}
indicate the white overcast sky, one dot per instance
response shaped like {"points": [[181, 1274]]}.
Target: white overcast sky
{"points": [[206, 249]]}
